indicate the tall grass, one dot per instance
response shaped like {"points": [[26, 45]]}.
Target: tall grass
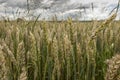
{"points": [[64, 50]]}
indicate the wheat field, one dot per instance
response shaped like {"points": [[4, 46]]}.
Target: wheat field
{"points": [[66, 50]]}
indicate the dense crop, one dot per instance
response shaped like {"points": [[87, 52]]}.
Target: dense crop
{"points": [[63, 50]]}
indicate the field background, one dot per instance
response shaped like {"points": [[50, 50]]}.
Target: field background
{"points": [[66, 50]]}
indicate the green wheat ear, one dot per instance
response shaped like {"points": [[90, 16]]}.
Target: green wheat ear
{"points": [[106, 22], [103, 25]]}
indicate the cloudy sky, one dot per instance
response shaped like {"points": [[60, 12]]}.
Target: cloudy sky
{"points": [[77, 9]]}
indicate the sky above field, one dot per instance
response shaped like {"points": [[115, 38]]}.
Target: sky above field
{"points": [[77, 9]]}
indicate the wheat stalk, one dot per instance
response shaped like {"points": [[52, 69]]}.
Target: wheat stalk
{"points": [[3, 68]]}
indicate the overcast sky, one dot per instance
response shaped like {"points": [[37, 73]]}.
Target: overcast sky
{"points": [[77, 9]]}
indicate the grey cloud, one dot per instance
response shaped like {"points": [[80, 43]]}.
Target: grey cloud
{"points": [[64, 8], [2, 1], [46, 4], [52, 5], [16, 3]]}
